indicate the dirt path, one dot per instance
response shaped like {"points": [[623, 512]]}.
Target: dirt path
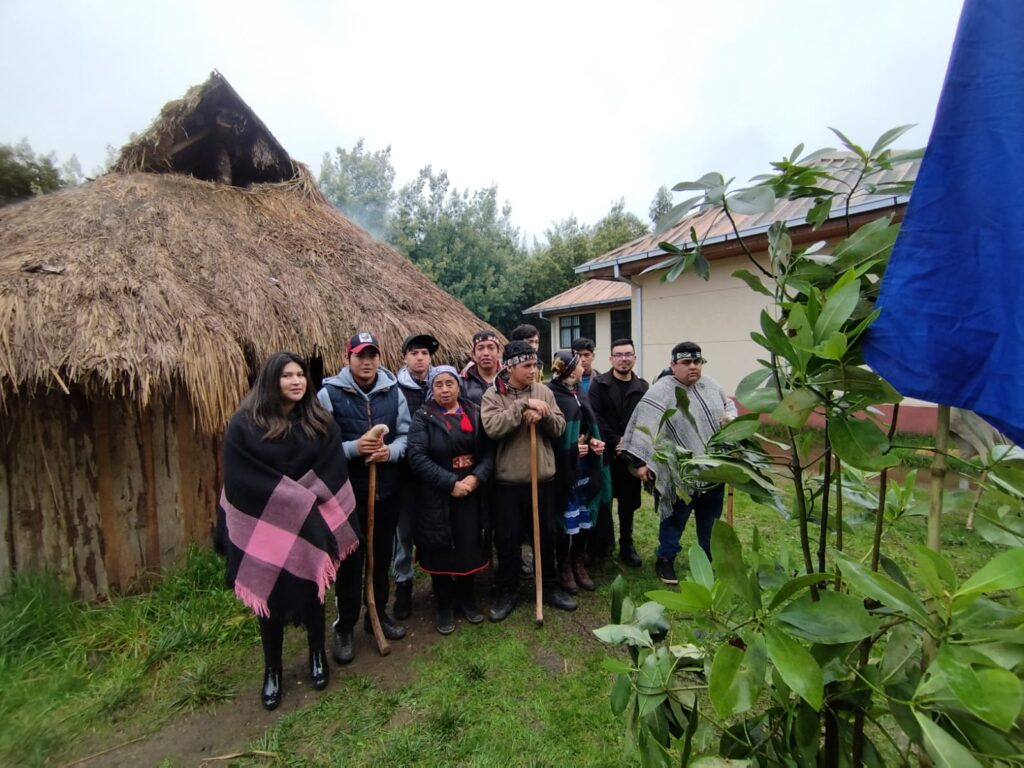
{"points": [[194, 739], [230, 728]]}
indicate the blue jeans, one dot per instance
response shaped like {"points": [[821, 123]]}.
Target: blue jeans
{"points": [[706, 506]]}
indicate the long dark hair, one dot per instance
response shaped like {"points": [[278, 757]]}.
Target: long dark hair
{"points": [[263, 403]]}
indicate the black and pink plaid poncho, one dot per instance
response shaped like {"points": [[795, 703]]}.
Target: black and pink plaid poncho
{"points": [[285, 517]]}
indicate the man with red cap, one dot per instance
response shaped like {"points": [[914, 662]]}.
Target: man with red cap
{"points": [[362, 395]]}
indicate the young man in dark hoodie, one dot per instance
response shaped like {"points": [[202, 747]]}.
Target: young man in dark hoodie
{"points": [[479, 374], [509, 408], [417, 354], [362, 395], [613, 397]]}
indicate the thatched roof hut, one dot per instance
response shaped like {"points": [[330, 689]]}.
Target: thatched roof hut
{"points": [[135, 308]]}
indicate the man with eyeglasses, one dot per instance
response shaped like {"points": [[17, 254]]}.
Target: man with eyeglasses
{"points": [[613, 397], [709, 408]]}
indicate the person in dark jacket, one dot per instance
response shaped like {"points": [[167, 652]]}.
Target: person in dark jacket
{"points": [[583, 348], [577, 486], [361, 396], [451, 458], [417, 354], [613, 398], [479, 374]]}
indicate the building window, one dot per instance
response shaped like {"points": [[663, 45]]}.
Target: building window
{"points": [[572, 327], [622, 324]]}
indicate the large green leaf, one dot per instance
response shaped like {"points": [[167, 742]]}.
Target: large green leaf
{"points": [[867, 385], [622, 690], [727, 555], [992, 694], [881, 588], [751, 382], [873, 241], [700, 567], [651, 617], [902, 650], [691, 598], [860, 443], [934, 571], [793, 586], [752, 200], [834, 618], [1004, 571], [889, 137], [1004, 527], [837, 310], [778, 341], [630, 634], [752, 280], [944, 750], [796, 666], [736, 679], [763, 400], [796, 407], [618, 591], [832, 348], [737, 430]]}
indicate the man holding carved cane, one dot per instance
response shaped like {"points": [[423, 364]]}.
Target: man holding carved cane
{"points": [[363, 398], [508, 410]]}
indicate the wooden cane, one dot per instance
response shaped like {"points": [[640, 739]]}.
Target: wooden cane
{"points": [[371, 600], [728, 507], [537, 575]]}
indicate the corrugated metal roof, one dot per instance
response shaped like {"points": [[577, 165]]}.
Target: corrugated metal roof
{"points": [[588, 294], [712, 226]]}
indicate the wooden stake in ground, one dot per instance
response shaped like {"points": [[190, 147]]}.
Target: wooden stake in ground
{"points": [[728, 506], [371, 600], [537, 575]]}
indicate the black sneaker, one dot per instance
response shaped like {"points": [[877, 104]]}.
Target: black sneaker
{"points": [[403, 600], [665, 570], [503, 606], [560, 599], [391, 630], [344, 650], [628, 555]]}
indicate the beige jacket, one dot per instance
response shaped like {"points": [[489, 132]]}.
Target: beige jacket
{"points": [[502, 417]]}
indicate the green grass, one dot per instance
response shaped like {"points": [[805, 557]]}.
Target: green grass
{"points": [[78, 679], [72, 672]]}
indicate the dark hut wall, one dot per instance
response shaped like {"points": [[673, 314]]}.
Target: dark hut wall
{"points": [[101, 491]]}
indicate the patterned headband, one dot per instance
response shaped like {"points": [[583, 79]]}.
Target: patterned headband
{"points": [[526, 357]]}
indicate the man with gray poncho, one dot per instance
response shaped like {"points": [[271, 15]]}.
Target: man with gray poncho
{"points": [[710, 408]]}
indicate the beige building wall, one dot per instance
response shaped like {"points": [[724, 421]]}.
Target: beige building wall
{"points": [[718, 314]]}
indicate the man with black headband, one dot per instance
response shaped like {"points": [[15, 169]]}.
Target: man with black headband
{"points": [[479, 374], [509, 408], [710, 408]]}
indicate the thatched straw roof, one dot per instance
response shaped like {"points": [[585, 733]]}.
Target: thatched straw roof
{"points": [[136, 282]]}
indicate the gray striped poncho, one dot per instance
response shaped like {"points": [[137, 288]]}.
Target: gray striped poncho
{"points": [[708, 406]]}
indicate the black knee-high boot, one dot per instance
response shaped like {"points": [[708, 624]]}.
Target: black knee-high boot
{"points": [[319, 672], [444, 591], [272, 637], [466, 600]]}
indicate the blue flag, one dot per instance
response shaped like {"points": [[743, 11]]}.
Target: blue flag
{"points": [[952, 324]]}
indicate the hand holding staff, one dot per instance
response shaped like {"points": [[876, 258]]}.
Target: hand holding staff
{"points": [[378, 432]]}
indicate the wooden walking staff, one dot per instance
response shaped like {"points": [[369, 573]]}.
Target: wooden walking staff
{"points": [[537, 575], [371, 600]]}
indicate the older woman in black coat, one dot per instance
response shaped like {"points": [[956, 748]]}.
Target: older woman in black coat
{"points": [[451, 458]]}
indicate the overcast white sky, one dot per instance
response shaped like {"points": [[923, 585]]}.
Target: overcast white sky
{"points": [[566, 106]]}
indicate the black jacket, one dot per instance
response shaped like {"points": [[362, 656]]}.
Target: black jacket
{"points": [[611, 409], [430, 453]]}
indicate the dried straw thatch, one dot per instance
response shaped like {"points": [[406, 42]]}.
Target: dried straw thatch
{"points": [[138, 281]]}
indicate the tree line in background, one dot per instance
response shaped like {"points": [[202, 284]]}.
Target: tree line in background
{"points": [[465, 240]]}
